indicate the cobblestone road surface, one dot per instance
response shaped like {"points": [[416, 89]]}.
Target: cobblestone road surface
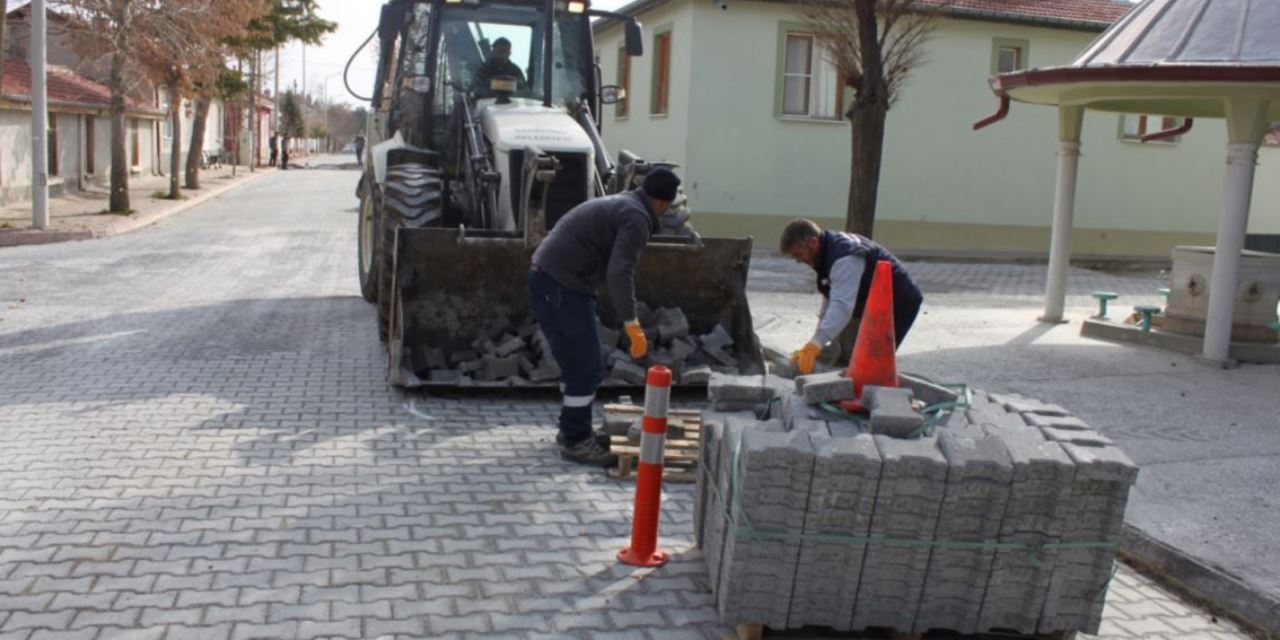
{"points": [[197, 443]]}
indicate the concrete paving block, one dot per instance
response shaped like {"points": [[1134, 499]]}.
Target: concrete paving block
{"points": [[1095, 513], [666, 358], [723, 370], [526, 364], [755, 408], [842, 499], [891, 411], [790, 407], [817, 429], [484, 345], [635, 430], [1058, 422], [725, 388], [782, 367], [824, 387], [719, 356], [500, 367], [912, 487], [716, 520], [718, 338], [926, 391], [615, 423], [443, 376], [1020, 404], [775, 473], [471, 366], [510, 346], [436, 359], [608, 337], [460, 356], [672, 324], [845, 429], [632, 373], [1035, 514], [616, 356], [696, 375], [1087, 437], [979, 473], [682, 348]]}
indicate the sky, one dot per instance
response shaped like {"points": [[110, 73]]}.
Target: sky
{"points": [[356, 21]]}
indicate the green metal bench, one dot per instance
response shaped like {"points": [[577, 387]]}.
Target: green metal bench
{"points": [[1103, 297], [1147, 313]]}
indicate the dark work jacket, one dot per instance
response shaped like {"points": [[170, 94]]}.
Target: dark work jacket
{"points": [[837, 245], [492, 68], [599, 242]]}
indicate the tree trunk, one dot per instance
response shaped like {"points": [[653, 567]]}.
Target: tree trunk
{"points": [[119, 201], [195, 151], [175, 158], [867, 113], [864, 176]]}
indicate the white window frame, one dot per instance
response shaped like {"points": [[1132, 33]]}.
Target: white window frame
{"points": [[815, 69]]}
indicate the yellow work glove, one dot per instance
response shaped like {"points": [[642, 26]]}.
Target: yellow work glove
{"points": [[639, 343], [807, 358]]}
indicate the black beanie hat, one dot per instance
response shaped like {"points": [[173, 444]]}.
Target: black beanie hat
{"points": [[661, 184]]}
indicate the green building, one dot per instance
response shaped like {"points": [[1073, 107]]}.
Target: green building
{"points": [[743, 97]]}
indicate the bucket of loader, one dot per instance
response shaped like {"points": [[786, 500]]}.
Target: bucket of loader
{"points": [[461, 315]]}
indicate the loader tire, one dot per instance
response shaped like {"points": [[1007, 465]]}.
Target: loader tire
{"points": [[367, 255], [411, 197]]}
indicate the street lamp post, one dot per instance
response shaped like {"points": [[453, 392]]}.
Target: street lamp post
{"points": [[39, 119], [328, 135]]}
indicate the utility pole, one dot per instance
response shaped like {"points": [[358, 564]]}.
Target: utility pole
{"points": [[39, 119], [275, 114]]}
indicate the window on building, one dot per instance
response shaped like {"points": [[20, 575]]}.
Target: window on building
{"points": [[1133, 127], [1009, 55], [661, 73], [624, 80], [135, 137], [54, 169], [809, 84]]}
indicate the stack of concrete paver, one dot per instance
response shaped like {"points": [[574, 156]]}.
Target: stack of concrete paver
{"points": [[518, 353], [969, 526]]}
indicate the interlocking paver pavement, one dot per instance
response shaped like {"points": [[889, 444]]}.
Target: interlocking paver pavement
{"points": [[198, 443]]}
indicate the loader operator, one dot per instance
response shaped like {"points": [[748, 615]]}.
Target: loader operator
{"points": [[845, 263], [498, 64], [598, 242]]}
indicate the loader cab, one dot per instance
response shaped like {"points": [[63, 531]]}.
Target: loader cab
{"points": [[437, 62]]}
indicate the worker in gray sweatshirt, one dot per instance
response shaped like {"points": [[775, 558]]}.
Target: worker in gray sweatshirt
{"points": [[597, 243]]}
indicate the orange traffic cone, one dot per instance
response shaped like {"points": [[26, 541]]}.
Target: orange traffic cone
{"points": [[874, 362]]}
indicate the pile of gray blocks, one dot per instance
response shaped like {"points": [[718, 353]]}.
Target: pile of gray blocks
{"points": [[807, 520], [517, 353]]}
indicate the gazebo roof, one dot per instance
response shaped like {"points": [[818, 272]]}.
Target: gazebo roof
{"points": [[1170, 57]]}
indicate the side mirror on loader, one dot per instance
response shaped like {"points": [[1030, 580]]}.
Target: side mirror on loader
{"points": [[612, 94], [634, 38]]}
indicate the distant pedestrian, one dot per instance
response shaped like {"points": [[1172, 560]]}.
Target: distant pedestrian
{"points": [[360, 149], [274, 145], [284, 152]]}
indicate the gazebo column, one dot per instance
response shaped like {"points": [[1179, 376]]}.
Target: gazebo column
{"points": [[1070, 121], [1246, 123]]}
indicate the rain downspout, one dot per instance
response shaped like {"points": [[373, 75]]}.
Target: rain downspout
{"points": [[1169, 133], [999, 115]]}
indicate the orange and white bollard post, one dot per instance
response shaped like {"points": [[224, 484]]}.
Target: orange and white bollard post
{"points": [[644, 551]]}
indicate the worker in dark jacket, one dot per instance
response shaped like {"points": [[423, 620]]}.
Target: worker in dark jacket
{"points": [[597, 243], [845, 263], [498, 64]]}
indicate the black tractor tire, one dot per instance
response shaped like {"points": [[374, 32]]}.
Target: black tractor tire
{"points": [[413, 196], [368, 260]]}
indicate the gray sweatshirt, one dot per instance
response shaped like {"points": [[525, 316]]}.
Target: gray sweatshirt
{"points": [[599, 243]]}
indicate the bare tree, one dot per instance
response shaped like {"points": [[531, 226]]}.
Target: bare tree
{"points": [[874, 45], [133, 35], [226, 85], [4, 23]]}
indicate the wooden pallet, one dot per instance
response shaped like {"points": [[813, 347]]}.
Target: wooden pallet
{"points": [[680, 456], [758, 632]]}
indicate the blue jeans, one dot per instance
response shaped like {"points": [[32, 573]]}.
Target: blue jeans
{"points": [[568, 319]]}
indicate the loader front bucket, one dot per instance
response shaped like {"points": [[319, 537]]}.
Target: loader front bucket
{"points": [[454, 290]]}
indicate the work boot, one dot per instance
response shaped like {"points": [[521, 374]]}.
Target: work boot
{"points": [[602, 439], [588, 452]]}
